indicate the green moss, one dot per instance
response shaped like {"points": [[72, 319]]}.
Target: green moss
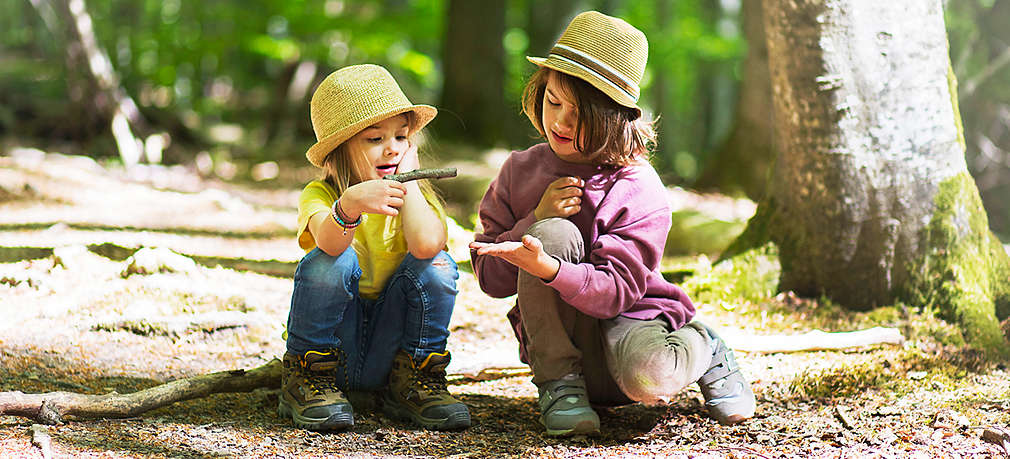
{"points": [[952, 85], [956, 275], [840, 381]]}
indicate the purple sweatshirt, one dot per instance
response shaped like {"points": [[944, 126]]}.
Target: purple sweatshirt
{"points": [[624, 220]]}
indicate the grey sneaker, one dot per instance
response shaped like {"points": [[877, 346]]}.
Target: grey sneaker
{"points": [[564, 408], [728, 396], [309, 393]]}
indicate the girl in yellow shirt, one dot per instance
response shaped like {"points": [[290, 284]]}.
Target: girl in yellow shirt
{"points": [[373, 296]]}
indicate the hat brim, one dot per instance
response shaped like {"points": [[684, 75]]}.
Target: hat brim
{"points": [[573, 70], [423, 114]]}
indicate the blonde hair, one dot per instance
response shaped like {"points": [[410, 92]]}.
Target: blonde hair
{"points": [[342, 169], [608, 133]]}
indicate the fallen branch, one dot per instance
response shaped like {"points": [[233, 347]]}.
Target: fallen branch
{"points": [[53, 407], [445, 172], [815, 340]]}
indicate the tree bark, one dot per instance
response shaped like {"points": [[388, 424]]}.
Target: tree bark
{"points": [[473, 99], [741, 165], [871, 202]]}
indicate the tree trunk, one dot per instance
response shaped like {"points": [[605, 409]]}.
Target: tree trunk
{"points": [[544, 25], [473, 99], [871, 202], [742, 164]]}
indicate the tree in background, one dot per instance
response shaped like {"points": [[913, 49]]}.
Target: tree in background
{"points": [[871, 201], [980, 51], [473, 57], [741, 164]]}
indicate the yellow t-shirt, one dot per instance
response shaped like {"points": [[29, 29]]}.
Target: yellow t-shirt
{"points": [[379, 241]]}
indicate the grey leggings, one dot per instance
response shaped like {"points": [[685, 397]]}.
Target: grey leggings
{"points": [[623, 360]]}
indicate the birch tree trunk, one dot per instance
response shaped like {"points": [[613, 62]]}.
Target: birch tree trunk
{"points": [[70, 22], [871, 202]]}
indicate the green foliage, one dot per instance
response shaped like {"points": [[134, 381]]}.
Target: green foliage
{"points": [[750, 277], [695, 232]]}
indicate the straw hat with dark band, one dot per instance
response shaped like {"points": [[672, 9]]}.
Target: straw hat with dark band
{"points": [[354, 98], [605, 51]]}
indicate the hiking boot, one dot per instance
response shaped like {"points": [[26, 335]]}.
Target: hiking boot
{"points": [[564, 408], [418, 393], [728, 396], [309, 393]]}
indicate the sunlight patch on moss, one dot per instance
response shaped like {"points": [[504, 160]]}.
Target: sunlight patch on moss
{"points": [[956, 275]]}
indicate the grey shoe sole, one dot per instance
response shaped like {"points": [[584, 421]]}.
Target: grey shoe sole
{"points": [[586, 427], [335, 421]]}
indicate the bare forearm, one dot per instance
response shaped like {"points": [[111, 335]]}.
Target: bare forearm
{"points": [[423, 228]]}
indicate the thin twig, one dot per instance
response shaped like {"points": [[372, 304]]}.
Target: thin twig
{"points": [[740, 448], [994, 66], [444, 172]]}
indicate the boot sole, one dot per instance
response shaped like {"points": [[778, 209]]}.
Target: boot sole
{"points": [[336, 421], [455, 421]]}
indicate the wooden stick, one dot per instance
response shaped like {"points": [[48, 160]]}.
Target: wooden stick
{"points": [[52, 407], [815, 340], [444, 172]]}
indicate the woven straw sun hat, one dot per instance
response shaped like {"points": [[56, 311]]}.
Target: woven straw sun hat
{"points": [[354, 98], [605, 51]]}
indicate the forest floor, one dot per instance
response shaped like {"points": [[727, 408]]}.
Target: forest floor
{"points": [[80, 315]]}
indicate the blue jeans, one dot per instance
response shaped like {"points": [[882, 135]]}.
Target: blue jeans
{"points": [[412, 313]]}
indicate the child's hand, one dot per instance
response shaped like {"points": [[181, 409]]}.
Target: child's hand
{"points": [[562, 198], [373, 197], [409, 162], [527, 255]]}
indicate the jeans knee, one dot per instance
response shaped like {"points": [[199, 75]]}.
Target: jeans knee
{"points": [[318, 268], [560, 237]]}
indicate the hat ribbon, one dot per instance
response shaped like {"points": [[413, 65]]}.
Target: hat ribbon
{"points": [[592, 65]]}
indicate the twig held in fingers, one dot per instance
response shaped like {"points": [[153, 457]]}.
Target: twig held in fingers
{"points": [[444, 172]]}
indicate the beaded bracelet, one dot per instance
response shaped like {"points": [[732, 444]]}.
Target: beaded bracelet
{"points": [[341, 219]]}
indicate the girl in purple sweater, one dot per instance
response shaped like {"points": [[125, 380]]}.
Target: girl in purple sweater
{"points": [[575, 227]]}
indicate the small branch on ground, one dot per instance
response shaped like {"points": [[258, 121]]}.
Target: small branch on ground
{"points": [[444, 172], [53, 407], [998, 437], [815, 340], [42, 440], [843, 415]]}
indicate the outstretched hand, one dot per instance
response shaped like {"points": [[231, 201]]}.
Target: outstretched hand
{"points": [[528, 255]]}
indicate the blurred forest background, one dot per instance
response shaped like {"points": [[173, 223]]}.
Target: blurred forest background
{"points": [[223, 86]]}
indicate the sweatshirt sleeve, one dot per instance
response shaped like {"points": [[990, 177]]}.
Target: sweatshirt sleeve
{"points": [[496, 276], [615, 275]]}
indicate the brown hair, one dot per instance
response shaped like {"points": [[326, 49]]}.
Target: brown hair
{"points": [[608, 133]]}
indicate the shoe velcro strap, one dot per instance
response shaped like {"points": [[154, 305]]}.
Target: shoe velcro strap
{"points": [[562, 391], [724, 369]]}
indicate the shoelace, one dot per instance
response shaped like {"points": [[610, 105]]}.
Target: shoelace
{"points": [[321, 381], [430, 380]]}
